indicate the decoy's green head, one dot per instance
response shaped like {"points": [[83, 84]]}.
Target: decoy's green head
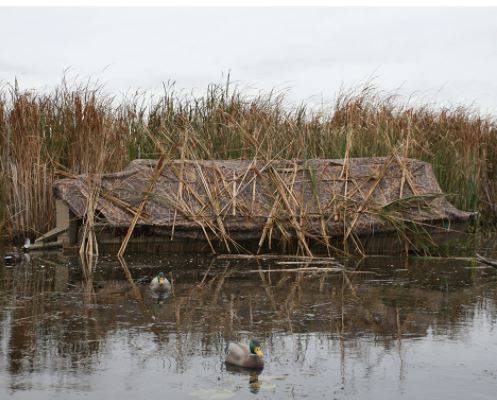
{"points": [[161, 277], [255, 347]]}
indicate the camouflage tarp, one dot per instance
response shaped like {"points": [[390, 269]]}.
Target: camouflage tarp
{"points": [[245, 198]]}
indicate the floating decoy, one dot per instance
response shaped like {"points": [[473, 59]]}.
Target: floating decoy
{"points": [[160, 285], [18, 255], [250, 356]]}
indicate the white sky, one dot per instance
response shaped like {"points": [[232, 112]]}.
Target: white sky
{"points": [[443, 55]]}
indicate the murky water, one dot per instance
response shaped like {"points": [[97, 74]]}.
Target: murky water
{"points": [[408, 328]]}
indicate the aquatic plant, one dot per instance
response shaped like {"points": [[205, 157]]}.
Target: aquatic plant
{"points": [[2, 211], [80, 129]]}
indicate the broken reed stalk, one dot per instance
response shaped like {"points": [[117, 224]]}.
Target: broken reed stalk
{"points": [[198, 217], [184, 209], [322, 222], [153, 180], [345, 175], [215, 206], [403, 178], [365, 201], [179, 204], [280, 186], [269, 223], [179, 195], [89, 244]]}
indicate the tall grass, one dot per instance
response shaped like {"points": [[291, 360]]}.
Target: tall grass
{"points": [[81, 129]]}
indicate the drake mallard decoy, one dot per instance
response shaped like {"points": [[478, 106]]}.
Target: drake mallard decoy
{"points": [[18, 255], [240, 354], [160, 285]]}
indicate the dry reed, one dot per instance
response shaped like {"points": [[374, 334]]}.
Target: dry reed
{"points": [[79, 129]]}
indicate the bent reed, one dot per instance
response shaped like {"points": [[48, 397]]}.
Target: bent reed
{"points": [[80, 129]]}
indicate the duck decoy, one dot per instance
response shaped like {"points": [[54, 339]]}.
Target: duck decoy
{"points": [[160, 285], [17, 255], [241, 355]]}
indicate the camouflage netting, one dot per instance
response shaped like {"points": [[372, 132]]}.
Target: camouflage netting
{"points": [[246, 199]]}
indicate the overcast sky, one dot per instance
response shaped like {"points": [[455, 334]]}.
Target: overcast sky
{"points": [[443, 55]]}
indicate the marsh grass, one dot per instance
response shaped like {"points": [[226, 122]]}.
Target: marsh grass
{"points": [[80, 129]]}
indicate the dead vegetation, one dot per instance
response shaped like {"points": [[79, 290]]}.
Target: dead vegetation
{"points": [[279, 204], [78, 129]]}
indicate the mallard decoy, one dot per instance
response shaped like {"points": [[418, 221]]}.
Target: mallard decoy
{"points": [[160, 285], [18, 255], [250, 356]]}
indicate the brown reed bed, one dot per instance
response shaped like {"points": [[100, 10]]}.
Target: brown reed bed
{"points": [[80, 129]]}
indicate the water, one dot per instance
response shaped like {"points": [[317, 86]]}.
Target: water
{"points": [[406, 328]]}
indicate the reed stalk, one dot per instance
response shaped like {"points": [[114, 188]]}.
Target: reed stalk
{"points": [[80, 129]]}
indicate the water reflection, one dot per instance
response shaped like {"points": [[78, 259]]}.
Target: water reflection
{"points": [[254, 384], [66, 323]]}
